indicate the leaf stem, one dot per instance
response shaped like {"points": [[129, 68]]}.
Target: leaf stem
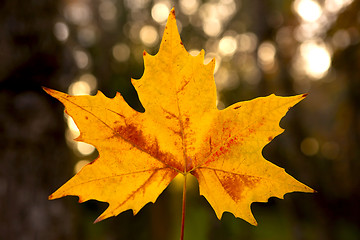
{"points": [[183, 210]]}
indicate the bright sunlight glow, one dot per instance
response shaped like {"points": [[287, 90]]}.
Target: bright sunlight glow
{"points": [[316, 57], [308, 10]]}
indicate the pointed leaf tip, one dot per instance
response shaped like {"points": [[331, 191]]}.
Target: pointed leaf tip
{"points": [[172, 11], [99, 219], [47, 90]]}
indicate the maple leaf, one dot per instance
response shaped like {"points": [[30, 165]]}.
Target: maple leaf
{"points": [[180, 132]]}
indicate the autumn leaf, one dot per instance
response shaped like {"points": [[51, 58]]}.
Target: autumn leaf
{"points": [[180, 132]]}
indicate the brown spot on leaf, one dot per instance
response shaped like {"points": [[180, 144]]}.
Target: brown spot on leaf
{"points": [[223, 149], [181, 43], [183, 86], [270, 138], [131, 134], [235, 184], [86, 117], [170, 114], [304, 95], [150, 145], [144, 53], [237, 107]]}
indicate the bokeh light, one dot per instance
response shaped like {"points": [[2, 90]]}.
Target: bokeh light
{"points": [[149, 35], [226, 9], [215, 15], [247, 42], [341, 39], [84, 148], [227, 46], [307, 31], [309, 146], [266, 55], [61, 31], [194, 52], [80, 148], [78, 12], [316, 59], [212, 27], [136, 4], [82, 59], [121, 52], [335, 6], [79, 88], [71, 124], [189, 7], [308, 10], [72, 131], [90, 79], [85, 85], [107, 10], [160, 12]]}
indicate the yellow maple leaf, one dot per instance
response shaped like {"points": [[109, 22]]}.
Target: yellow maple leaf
{"points": [[180, 132]]}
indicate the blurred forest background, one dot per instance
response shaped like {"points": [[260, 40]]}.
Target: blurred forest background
{"points": [[261, 47]]}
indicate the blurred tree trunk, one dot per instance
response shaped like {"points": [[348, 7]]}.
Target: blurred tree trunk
{"points": [[34, 158]]}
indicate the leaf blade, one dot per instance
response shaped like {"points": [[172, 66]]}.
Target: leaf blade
{"points": [[181, 131], [236, 165], [138, 156]]}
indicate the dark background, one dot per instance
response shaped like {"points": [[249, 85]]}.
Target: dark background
{"points": [[98, 45]]}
